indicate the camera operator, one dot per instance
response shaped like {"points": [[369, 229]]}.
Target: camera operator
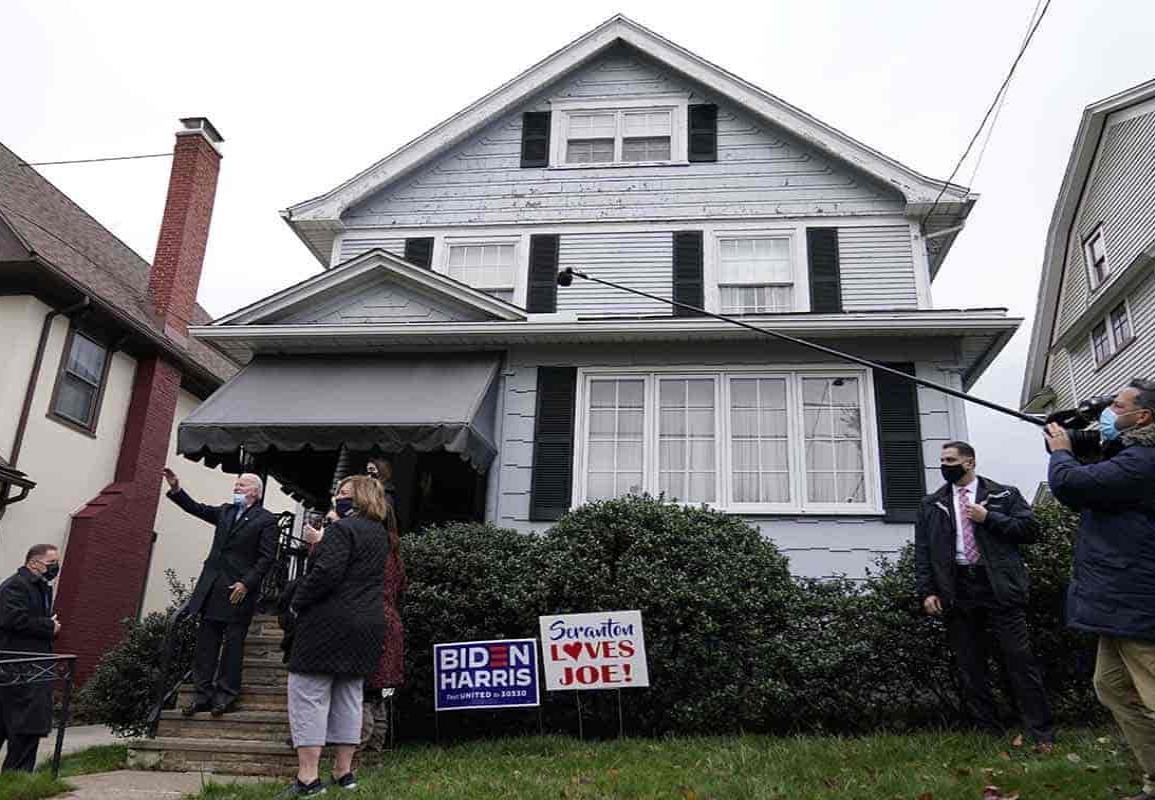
{"points": [[1112, 591]]}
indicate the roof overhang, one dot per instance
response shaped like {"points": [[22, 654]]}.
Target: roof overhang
{"points": [[316, 221], [1075, 181], [983, 333]]}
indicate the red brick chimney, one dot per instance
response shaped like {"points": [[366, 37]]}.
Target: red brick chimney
{"points": [[184, 231], [110, 540]]}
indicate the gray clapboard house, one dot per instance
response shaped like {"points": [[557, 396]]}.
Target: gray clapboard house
{"points": [[1096, 307], [436, 332]]}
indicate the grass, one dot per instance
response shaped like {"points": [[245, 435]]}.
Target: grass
{"points": [[1087, 765], [40, 784]]}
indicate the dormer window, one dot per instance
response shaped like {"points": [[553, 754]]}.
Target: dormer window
{"points": [[1095, 251], [614, 132]]}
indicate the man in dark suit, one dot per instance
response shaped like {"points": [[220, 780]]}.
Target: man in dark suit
{"points": [[225, 595], [969, 570], [27, 625]]}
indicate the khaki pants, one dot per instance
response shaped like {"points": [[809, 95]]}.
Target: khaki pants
{"points": [[1125, 684]]}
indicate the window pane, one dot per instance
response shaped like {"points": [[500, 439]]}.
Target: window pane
{"points": [[592, 126], [649, 149], [755, 260], [615, 448], [686, 442], [1101, 345], [646, 123], [75, 399], [86, 359], [757, 299], [589, 151], [758, 440], [483, 266], [1121, 325], [832, 419]]}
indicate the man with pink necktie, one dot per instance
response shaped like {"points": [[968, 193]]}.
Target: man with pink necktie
{"points": [[970, 571]]}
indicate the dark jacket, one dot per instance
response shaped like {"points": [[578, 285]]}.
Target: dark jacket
{"points": [[1010, 523], [1112, 590], [26, 626], [243, 549], [340, 603]]}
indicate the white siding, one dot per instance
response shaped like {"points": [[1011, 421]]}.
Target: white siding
{"points": [[378, 300], [877, 268], [354, 244], [817, 545], [1121, 196], [761, 171], [643, 261]]}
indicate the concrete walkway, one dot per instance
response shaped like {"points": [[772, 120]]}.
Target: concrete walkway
{"points": [[78, 737], [143, 785]]}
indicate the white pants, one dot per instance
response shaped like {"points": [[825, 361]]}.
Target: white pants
{"points": [[325, 709]]}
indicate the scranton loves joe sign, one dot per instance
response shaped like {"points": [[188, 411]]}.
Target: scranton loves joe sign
{"points": [[496, 674], [605, 650]]}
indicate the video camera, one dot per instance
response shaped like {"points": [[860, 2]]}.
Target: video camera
{"points": [[1085, 444]]}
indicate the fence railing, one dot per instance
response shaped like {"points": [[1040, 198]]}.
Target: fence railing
{"points": [[42, 671]]}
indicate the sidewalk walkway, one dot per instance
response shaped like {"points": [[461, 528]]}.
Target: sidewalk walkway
{"points": [[144, 785], [78, 737]]}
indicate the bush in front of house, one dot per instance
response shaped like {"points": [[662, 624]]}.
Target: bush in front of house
{"points": [[121, 691]]}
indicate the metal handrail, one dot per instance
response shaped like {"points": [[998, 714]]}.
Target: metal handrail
{"points": [[163, 690], [19, 668]]}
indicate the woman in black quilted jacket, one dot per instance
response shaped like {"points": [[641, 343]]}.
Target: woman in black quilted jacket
{"points": [[340, 629]]}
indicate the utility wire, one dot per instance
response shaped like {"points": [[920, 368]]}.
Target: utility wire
{"points": [[990, 110], [93, 160]]}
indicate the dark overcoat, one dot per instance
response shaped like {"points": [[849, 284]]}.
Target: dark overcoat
{"points": [[1010, 522], [26, 626], [1112, 589], [340, 605], [244, 547]]}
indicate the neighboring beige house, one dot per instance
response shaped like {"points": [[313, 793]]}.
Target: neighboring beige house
{"points": [[1096, 309], [98, 369]]}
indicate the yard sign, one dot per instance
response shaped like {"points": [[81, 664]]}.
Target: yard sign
{"points": [[605, 650], [495, 674]]}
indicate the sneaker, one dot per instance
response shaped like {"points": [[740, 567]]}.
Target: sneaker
{"points": [[298, 789], [346, 781]]}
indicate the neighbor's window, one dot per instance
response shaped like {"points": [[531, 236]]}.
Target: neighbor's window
{"points": [[1112, 334], [1096, 254], [81, 381], [790, 442], [488, 266], [619, 136], [755, 275]]}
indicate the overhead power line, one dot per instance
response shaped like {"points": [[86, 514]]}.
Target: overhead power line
{"points": [[991, 109], [95, 160]]}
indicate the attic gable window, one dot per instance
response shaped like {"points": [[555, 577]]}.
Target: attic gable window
{"points": [[1095, 252], [611, 132]]}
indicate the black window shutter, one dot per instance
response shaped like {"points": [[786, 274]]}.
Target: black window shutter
{"points": [[552, 481], [703, 132], [688, 282], [825, 283], [900, 444], [419, 252], [535, 139], [541, 288]]}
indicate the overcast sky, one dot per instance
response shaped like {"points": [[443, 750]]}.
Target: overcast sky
{"points": [[308, 94]]}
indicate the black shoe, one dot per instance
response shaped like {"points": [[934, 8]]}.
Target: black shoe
{"points": [[298, 789], [346, 781], [220, 709], [188, 709]]}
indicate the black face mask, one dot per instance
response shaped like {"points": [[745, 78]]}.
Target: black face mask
{"points": [[953, 473], [343, 506], [51, 571]]}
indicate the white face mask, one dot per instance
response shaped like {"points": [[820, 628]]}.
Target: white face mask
{"points": [[240, 498]]}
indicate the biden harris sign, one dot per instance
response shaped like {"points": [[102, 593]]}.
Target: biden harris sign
{"points": [[496, 674]]}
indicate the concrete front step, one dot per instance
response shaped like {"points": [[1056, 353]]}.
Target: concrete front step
{"points": [[263, 647], [264, 672], [226, 756], [266, 726], [252, 698]]}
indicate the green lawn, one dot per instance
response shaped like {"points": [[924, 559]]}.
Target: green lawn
{"points": [[1087, 765], [39, 784]]}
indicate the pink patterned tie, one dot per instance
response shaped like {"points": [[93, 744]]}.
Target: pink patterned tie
{"points": [[970, 547]]}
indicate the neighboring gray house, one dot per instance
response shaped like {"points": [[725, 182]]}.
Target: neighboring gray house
{"points": [[437, 333], [1096, 307]]}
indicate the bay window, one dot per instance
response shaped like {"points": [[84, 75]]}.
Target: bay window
{"points": [[741, 440]]}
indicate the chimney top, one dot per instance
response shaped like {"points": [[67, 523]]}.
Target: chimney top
{"points": [[202, 126]]}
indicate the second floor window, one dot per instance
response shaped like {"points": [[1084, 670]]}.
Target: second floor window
{"points": [[484, 265], [1096, 254], [755, 275], [81, 382], [1112, 334]]}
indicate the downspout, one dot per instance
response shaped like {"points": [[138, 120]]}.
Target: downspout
{"points": [[34, 378]]}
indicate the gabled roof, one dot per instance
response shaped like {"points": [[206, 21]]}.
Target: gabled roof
{"points": [[1075, 181], [317, 220], [63, 239], [426, 281]]}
